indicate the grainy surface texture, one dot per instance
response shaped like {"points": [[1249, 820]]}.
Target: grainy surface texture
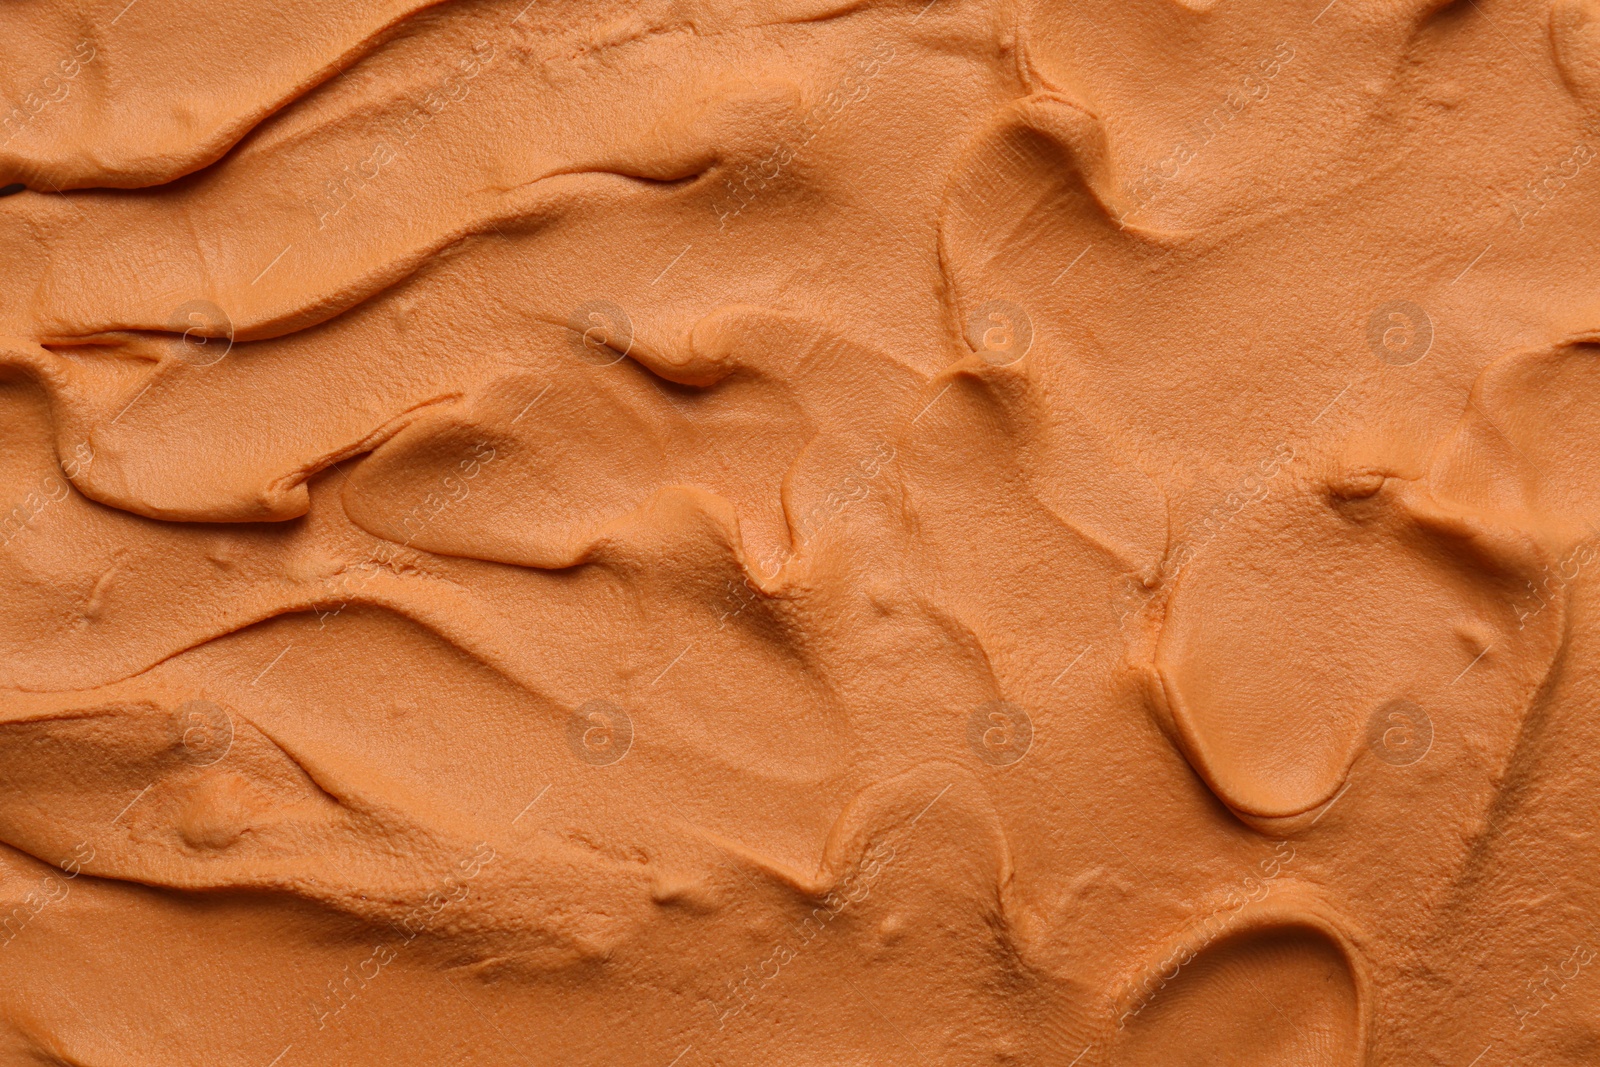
{"points": [[799, 533]]}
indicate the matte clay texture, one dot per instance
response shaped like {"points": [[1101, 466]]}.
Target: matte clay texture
{"points": [[799, 533]]}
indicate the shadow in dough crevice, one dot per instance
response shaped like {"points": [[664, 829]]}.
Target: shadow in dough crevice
{"points": [[1279, 994]]}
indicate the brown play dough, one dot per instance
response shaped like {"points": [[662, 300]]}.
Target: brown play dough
{"points": [[809, 533]]}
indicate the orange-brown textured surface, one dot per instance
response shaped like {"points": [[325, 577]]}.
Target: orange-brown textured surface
{"points": [[799, 532]]}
